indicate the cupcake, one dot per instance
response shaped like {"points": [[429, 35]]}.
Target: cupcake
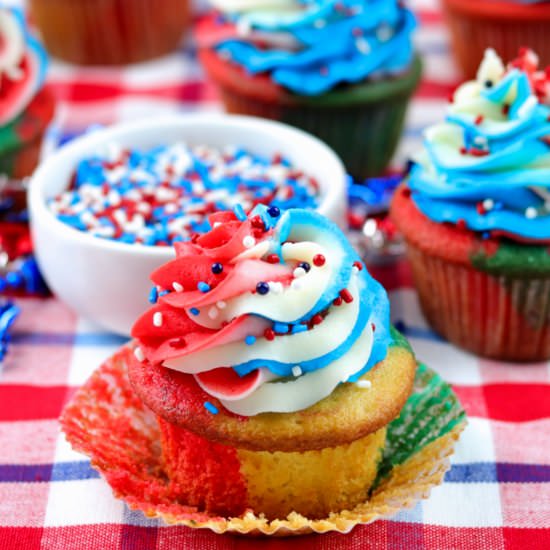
{"points": [[475, 213], [343, 71], [505, 25], [271, 367], [26, 108], [110, 32]]}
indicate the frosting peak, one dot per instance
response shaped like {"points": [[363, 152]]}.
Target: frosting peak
{"points": [[488, 165], [269, 312]]}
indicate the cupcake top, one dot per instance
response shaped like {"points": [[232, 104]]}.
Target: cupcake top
{"points": [[269, 313], [23, 64], [311, 46], [487, 167]]}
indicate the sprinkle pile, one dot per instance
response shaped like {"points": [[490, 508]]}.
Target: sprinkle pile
{"points": [[163, 195]]}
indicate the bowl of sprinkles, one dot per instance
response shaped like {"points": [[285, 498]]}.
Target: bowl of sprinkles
{"points": [[107, 208]]}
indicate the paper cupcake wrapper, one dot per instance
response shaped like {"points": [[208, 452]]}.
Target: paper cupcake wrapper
{"points": [[107, 421], [501, 317], [504, 26]]}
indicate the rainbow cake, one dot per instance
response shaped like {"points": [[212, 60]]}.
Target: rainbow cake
{"points": [[475, 213], [271, 367]]}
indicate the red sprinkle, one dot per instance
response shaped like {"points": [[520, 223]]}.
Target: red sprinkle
{"points": [[346, 296], [269, 334], [478, 152], [478, 120], [480, 208], [505, 109], [461, 223], [273, 259], [257, 222], [358, 265], [463, 151], [317, 319], [319, 260], [337, 301], [179, 343], [373, 326]]}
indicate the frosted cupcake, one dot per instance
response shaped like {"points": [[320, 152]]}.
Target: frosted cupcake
{"points": [[268, 333], [475, 212], [342, 70]]}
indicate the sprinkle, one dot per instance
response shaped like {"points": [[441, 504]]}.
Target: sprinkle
{"points": [[296, 284], [461, 224], [299, 272], [217, 268], [358, 265], [249, 241], [269, 334], [153, 295], [319, 260], [238, 210], [297, 371], [305, 266], [164, 292], [362, 45], [257, 222], [346, 296], [177, 287], [364, 384], [194, 311], [337, 301], [203, 287], [274, 212], [273, 259], [488, 204], [280, 328], [276, 287], [213, 312], [317, 319], [157, 319], [138, 353], [210, 408], [296, 329], [373, 327], [531, 212], [478, 120], [221, 304], [262, 288], [249, 340], [178, 343]]}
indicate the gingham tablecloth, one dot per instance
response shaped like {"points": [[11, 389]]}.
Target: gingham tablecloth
{"points": [[496, 495]]}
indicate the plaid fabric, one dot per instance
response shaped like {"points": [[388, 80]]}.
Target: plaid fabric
{"points": [[496, 495]]}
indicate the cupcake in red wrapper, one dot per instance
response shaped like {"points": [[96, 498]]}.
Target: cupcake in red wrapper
{"points": [[26, 108], [475, 213], [505, 25], [342, 70], [110, 32]]}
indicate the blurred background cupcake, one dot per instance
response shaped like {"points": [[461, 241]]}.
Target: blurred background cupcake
{"points": [[26, 107], [505, 25], [110, 32], [342, 70], [475, 213]]}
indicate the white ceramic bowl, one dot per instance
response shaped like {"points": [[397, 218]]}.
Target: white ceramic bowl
{"points": [[108, 282]]}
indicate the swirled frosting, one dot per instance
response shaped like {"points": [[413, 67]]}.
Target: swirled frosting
{"points": [[269, 313], [23, 64], [311, 46], [488, 166]]}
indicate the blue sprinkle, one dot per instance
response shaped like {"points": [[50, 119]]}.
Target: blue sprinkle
{"points": [[249, 340], [164, 292], [153, 295], [194, 311], [281, 328], [203, 287], [210, 408], [295, 329], [274, 211], [238, 210]]}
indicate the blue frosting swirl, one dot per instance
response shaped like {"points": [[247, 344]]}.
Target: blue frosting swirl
{"points": [[330, 42], [488, 166]]}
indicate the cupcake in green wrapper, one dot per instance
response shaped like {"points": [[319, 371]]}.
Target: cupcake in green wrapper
{"points": [[342, 70]]}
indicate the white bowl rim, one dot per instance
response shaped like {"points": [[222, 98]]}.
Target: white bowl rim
{"points": [[38, 207]]}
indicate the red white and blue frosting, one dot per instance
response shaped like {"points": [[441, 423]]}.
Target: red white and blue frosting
{"points": [[269, 313], [487, 168], [23, 64]]}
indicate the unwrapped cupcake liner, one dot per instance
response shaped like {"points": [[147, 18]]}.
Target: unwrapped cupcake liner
{"points": [[504, 26], [110, 32], [501, 317], [107, 421]]}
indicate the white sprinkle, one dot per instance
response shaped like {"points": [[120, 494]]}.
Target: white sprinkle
{"points": [[296, 284], [243, 27], [221, 304], [157, 319], [275, 287], [355, 270], [488, 204], [213, 312], [363, 384], [138, 353], [249, 241], [384, 32], [177, 287], [362, 45], [480, 140], [531, 213], [297, 370], [299, 272]]}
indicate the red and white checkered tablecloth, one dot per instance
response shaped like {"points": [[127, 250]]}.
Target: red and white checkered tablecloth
{"points": [[496, 495]]}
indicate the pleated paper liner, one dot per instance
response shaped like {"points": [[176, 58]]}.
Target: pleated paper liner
{"points": [[106, 421]]}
